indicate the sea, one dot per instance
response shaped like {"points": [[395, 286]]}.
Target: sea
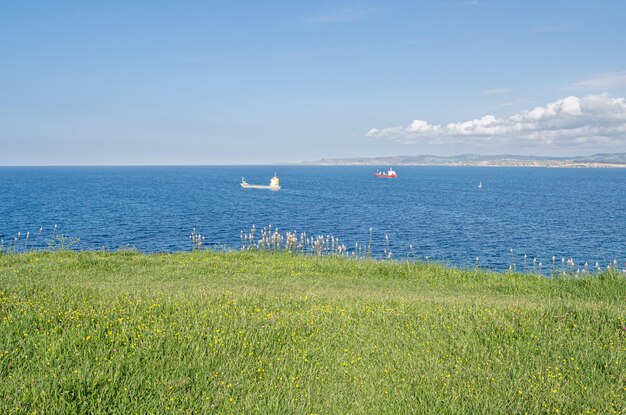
{"points": [[519, 215]]}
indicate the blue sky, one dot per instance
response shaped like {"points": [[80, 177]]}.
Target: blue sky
{"points": [[165, 82]]}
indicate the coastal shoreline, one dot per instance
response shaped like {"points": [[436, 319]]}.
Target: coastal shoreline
{"points": [[604, 160], [558, 165]]}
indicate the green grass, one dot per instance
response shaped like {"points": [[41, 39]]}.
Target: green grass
{"points": [[248, 332]]}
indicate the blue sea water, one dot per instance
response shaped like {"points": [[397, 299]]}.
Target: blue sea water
{"points": [[440, 211]]}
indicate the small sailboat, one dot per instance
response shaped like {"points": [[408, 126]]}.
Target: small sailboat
{"points": [[480, 185], [274, 184]]}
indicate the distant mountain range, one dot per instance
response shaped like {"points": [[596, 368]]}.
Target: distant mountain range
{"points": [[505, 160]]}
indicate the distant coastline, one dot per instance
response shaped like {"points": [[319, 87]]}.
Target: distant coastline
{"points": [[605, 160]]}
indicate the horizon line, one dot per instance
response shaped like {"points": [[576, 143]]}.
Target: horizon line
{"points": [[304, 162]]}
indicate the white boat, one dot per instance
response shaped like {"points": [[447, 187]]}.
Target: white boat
{"points": [[274, 184], [480, 185]]}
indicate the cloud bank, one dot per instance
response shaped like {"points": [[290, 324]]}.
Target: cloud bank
{"points": [[594, 120]]}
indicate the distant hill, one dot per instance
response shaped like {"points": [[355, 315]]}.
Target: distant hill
{"points": [[596, 160], [607, 158]]}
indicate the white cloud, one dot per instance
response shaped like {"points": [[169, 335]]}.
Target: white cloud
{"points": [[602, 82], [571, 121]]}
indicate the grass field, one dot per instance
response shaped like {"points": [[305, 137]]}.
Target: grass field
{"points": [[257, 332]]}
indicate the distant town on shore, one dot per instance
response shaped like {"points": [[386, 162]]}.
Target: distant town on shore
{"points": [[605, 160]]}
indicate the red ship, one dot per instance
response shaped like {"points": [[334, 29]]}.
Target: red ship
{"points": [[390, 174]]}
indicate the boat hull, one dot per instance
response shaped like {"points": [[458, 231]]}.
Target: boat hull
{"points": [[259, 186], [386, 176]]}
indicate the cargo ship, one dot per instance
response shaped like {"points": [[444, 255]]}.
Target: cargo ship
{"points": [[274, 184], [390, 174]]}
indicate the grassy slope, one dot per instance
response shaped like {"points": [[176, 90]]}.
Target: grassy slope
{"points": [[262, 333]]}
